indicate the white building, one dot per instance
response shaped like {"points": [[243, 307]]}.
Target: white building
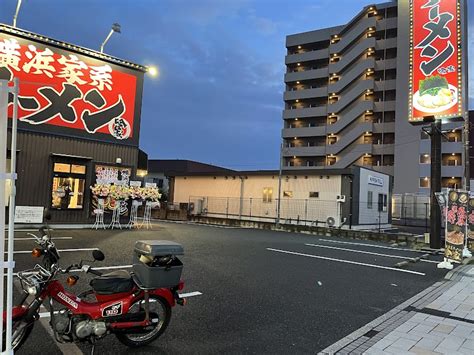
{"points": [[356, 197]]}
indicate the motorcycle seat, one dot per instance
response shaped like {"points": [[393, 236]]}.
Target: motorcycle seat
{"points": [[113, 282]]}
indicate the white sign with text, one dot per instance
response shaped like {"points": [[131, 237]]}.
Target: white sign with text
{"points": [[29, 214], [375, 180]]}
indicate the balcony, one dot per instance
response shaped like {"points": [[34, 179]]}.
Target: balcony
{"points": [[305, 112], [446, 171], [306, 75], [304, 151], [384, 127], [386, 43], [305, 93], [446, 147], [387, 23], [449, 171], [307, 56], [385, 169], [385, 85], [386, 64], [379, 149], [384, 106], [304, 132]]}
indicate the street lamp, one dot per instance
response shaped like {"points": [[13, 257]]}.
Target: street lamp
{"points": [[152, 70], [18, 5], [115, 28]]}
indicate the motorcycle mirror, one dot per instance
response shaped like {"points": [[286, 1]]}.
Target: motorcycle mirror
{"points": [[98, 255], [42, 231]]}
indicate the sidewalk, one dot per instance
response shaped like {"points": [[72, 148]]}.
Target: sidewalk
{"points": [[439, 320]]}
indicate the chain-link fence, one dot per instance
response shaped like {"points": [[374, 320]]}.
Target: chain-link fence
{"points": [[292, 211]]}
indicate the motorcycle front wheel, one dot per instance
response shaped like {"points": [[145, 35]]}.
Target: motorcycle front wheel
{"points": [[159, 308], [21, 331]]}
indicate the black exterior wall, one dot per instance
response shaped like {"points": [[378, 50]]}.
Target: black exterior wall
{"points": [[35, 153]]}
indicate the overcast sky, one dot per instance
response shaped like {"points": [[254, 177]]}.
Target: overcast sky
{"points": [[218, 98]]}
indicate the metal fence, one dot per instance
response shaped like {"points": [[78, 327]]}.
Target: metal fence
{"points": [[411, 210], [292, 211]]}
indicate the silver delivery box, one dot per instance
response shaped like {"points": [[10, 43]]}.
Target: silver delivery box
{"points": [[155, 263]]}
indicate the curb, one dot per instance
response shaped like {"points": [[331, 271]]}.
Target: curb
{"points": [[460, 271]]}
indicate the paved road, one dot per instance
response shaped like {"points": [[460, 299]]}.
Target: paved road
{"points": [[262, 291]]}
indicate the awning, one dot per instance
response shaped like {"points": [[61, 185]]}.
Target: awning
{"points": [[70, 156]]}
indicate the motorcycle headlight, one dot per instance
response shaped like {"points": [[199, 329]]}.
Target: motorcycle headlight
{"points": [[31, 290]]}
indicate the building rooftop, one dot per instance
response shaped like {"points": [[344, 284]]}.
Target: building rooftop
{"points": [[175, 167], [69, 47]]}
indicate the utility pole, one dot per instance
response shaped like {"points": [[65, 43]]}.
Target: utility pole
{"points": [[435, 182], [279, 186], [467, 172]]}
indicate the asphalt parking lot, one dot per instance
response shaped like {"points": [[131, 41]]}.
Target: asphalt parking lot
{"points": [[261, 291]]}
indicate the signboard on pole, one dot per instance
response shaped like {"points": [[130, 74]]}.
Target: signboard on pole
{"points": [[470, 232], [436, 60], [456, 219]]}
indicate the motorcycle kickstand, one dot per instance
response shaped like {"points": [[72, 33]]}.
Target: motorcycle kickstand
{"points": [[92, 349]]}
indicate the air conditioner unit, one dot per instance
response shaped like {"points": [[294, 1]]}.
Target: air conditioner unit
{"points": [[341, 198], [196, 207]]}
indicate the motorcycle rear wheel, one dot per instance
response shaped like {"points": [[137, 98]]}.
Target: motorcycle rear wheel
{"points": [[159, 306], [19, 338]]}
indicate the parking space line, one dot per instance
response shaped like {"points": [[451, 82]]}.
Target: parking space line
{"points": [[346, 261], [59, 250], [369, 245], [190, 294], [371, 253]]}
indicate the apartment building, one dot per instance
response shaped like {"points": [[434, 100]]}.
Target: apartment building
{"points": [[346, 102]]}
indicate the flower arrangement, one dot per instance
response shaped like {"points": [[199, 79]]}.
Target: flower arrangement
{"points": [[151, 194], [119, 192], [101, 190], [136, 193]]}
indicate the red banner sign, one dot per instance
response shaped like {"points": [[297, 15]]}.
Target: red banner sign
{"points": [[435, 59], [65, 89]]}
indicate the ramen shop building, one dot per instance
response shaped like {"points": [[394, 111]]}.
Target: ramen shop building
{"points": [[78, 121]]}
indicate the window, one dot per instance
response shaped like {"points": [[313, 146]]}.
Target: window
{"points": [[62, 168], [425, 159], [382, 203], [287, 193], [314, 194], [267, 195], [425, 182], [68, 186], [369, 199]]}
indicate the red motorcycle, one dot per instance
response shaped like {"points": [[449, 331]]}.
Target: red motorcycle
{"points": [[135, 307]]}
